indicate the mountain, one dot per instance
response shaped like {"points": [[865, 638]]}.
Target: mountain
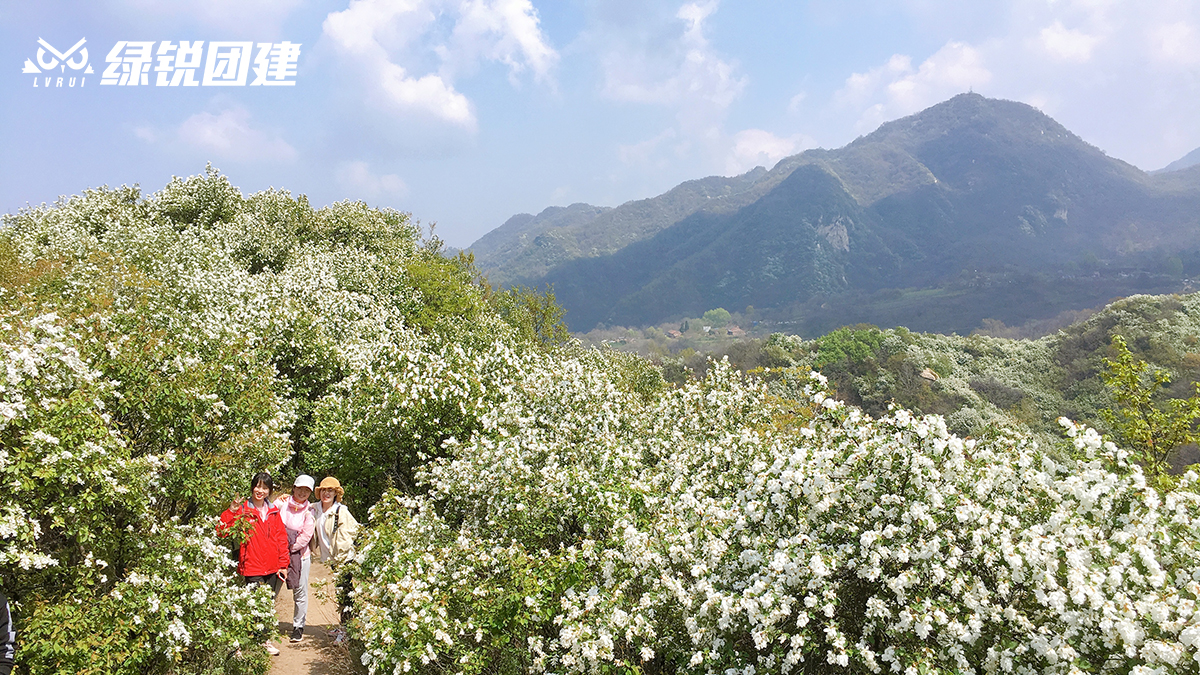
{"points": [[526, 247], [969, 186], [1188, 160]]}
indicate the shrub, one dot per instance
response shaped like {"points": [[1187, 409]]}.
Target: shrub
{"points": [[689, 532], [716, 317], [1150, 428], [999, 394]]}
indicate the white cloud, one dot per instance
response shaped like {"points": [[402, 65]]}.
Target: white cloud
{"points": [[507, 31], [755, 147], [671, 63], [1175, 43], [862, 87], [356, 178], [1123, 75], [261, 19], [651, 153], [896, 89], [393, 44], [561, 194], [146, 133], [227, 134], [657, 53], [796, 103], [1068, 45]]}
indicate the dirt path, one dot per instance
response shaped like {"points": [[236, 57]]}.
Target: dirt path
{"points": [[318, 653]]}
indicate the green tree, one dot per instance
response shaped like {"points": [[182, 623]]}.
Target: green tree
{"points": [[717, 317], [854, 344], [1141, 421], [537, 317], [1174, 267]]}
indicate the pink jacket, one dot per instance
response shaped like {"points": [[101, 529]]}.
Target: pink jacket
{"points": [[297, 518]]}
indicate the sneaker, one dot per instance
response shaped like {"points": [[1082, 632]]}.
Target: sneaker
{"points": [[297, 634], [272, 649]]}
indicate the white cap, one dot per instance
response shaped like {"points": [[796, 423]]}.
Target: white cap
{"points": [[304, 480]]}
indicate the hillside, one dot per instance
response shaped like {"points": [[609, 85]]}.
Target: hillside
{"points": [[980, 380], [531, 504], [969, 186], [526, 247], [1189, 160]]}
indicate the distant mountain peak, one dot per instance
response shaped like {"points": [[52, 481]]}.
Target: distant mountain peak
{"points": [[972, 183], [1189, 160]]}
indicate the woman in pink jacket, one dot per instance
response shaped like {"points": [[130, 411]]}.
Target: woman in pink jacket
{"points": [[297, 517]]}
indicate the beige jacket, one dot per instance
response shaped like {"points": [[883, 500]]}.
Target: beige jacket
{"points": [[341, 538]]}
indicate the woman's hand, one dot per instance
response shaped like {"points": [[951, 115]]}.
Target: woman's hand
{"points": [[282, 574]]}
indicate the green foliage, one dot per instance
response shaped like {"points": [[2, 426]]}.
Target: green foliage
{"points": [[378, 427], [986, 382], [1173, 266], [716, 318], [630, 373], [448, 295], [272, 226], [159, 351], [199, 201], [139, 626], [1141, 421], [118, 440], [999, 394], [856, 343], [536, 317]]}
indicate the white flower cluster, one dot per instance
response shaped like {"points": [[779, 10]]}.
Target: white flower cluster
{"points": [[574, 515], [140, 382], [585, 527], [185, 596]]}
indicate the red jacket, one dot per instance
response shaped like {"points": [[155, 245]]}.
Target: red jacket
{"points": [[265, 551]]}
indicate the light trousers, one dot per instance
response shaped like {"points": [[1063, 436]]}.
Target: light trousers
{"points": [[300, 594]]}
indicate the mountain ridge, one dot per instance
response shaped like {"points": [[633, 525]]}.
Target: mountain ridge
{"points": [[1189, 160], [968, 183]]}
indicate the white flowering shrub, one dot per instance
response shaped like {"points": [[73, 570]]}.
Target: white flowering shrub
{"points": [[157, 351], [541, 508], [585, 529], [179, 609], [102, 474], [377, 426]]}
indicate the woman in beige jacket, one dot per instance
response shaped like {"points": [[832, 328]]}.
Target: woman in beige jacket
{"points": [[335, 527]]}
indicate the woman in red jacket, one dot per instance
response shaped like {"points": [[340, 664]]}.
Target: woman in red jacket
{"points": [[263, 557]]}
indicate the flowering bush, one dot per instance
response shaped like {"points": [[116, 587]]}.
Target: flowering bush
{"points": [[156, 351], [584, 529], [540, 507], [177, 610], [99, 472]]}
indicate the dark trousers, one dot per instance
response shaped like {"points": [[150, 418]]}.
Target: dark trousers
{"points": [[273, 582], [268, 580]]}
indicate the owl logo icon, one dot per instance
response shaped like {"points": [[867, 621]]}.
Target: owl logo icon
{"points": [[48, 58]]}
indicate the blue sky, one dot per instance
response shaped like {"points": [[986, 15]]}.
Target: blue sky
{"points": [[465, 112]]}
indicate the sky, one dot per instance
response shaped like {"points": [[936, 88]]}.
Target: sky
{"points": [[466, 112]]}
